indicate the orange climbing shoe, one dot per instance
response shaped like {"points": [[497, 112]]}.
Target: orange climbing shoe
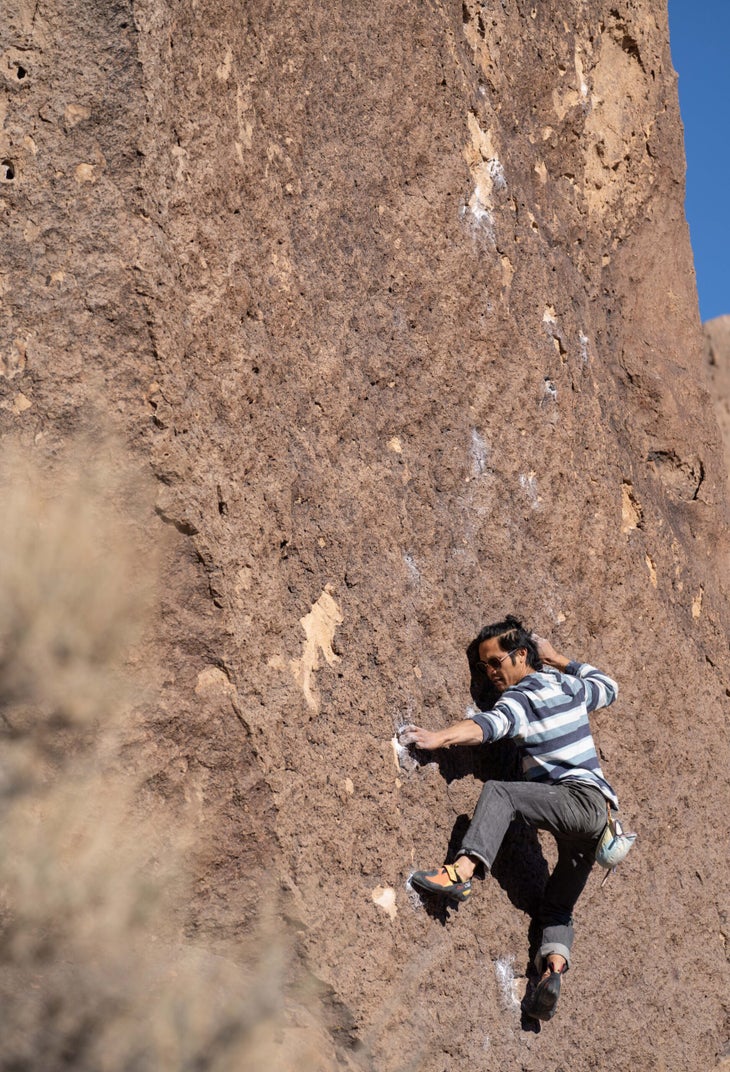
{"points": [[444, 881]]}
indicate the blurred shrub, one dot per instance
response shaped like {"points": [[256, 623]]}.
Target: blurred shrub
{"points": [[94, 974]]}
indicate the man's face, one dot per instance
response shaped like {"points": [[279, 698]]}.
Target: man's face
{"points": [[506, 673]]}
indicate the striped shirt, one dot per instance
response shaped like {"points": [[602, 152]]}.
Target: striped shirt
{"points": [[547, 715]]}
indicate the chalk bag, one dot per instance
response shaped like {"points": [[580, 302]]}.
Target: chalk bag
{"points": [[613, 845]]}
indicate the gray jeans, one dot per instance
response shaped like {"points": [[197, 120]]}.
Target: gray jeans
{"points": [[575, 814]]}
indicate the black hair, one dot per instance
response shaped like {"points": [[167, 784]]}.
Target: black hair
{"points": [[511, 634], [484, 692]]}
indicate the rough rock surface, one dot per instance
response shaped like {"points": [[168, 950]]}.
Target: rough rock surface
{"points": [[717, 353], [397, 301]]}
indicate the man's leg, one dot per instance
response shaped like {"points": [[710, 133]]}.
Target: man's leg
{"points": [[492, 817], [567, 810], [563, 888], [494, 812]]}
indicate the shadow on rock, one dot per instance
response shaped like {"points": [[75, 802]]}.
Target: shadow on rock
{"points": [[437, 907], [521, 869], [499, 762]]}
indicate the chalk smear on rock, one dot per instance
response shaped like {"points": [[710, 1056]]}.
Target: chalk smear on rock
{"points": [[505, 972]]}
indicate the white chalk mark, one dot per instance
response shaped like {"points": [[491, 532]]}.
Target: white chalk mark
{"points": [[413, 569], [505, 972], [413, 896], [479, 453], [528, 483], [404, 759]]}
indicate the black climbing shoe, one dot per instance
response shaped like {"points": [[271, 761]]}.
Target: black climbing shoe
{"points": [[545, 998]]}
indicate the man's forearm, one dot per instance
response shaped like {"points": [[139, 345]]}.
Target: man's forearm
{"points": [[465, 732], [560, 662]]}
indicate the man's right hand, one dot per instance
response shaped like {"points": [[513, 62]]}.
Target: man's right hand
{"points": [[428, 740]]}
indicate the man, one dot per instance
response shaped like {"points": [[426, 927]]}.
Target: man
{"points": [[543, 705]]}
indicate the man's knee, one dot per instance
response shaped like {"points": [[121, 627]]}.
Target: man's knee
{"points": [[493, 791]]}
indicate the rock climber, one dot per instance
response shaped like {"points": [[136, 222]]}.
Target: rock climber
{"points": [[543, 705]]}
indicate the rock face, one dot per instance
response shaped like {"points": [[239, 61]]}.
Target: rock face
{"points": [[396, 301]]}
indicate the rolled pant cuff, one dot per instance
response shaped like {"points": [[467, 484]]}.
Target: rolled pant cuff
{"points": [[547, 949], [464, 851]]}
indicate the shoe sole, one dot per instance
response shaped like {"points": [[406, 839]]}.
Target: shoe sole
{"points": [[439, 891], [546, 998]]}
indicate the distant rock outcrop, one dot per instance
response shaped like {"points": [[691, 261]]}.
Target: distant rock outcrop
{"points": [[717, 353], [395, 303]]}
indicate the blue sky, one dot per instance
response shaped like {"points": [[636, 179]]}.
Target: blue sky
{"points": [[700, 38]]}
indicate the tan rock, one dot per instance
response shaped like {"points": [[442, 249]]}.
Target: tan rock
{"points": [[318, 230], [384, 897]]}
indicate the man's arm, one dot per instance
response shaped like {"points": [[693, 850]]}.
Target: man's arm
{"points": [[549, 655], [464, 732], [601, 690]]}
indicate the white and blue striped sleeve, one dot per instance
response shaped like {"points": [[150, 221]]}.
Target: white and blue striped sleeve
{"points": [[505, 719], [601, 690]]}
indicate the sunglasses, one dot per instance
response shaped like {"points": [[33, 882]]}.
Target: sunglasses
{"points": [[495, 662]]}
